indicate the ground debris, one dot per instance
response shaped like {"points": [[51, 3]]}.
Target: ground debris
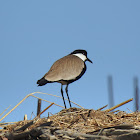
{"points": [[76, 123]]}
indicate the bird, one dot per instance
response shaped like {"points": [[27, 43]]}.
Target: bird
{"points": [[66, 70]]}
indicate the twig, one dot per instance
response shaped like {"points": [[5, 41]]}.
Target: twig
{"points": [[7, 123], [102, 107], [25, 117], [47, 101], [45, 109], [115, 111], [32, 115], [130, 110], [39, 107], [57, 97], [116, 106], [14, 107], [49, 113], [4, 111], [100, 132]]}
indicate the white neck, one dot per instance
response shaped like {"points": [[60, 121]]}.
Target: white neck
{"points": [[81, 56]]}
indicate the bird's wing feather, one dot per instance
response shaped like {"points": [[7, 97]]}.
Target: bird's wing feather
{"points": [[66, 68]]}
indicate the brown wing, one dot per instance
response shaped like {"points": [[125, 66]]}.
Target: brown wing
{"points": [[66, 68]]}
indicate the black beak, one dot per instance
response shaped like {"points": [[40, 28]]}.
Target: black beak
{"points": [[89, 60]]}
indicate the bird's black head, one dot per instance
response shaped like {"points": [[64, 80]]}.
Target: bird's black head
{"points": [[82, 53]]}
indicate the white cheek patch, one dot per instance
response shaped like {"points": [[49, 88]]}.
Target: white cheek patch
{"points": [[81, 56]]}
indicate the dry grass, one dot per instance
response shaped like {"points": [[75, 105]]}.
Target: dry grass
{"points": [[82, 120]]}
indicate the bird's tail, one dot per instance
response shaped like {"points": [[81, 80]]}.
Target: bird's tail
{"points": [[42, 82]]}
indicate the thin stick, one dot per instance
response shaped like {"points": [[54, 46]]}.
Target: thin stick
{"points": [[39, 107], [47, 101], [116, 106], [102, 107], [4, 111], [14, 107], [7, 123], [25, 117], [45, 109], [116, 111], [57, 97]]}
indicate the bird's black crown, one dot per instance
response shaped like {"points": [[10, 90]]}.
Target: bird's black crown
{"points": [[84, 52]]}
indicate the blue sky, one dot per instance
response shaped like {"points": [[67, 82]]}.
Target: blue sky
{"points": [[34, 34]]}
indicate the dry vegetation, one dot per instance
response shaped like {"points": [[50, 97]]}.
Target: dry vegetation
{"points": [[75, 122]]}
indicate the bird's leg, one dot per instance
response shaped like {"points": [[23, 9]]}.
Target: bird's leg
{"points": [[63, 96], [67, 94]]}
